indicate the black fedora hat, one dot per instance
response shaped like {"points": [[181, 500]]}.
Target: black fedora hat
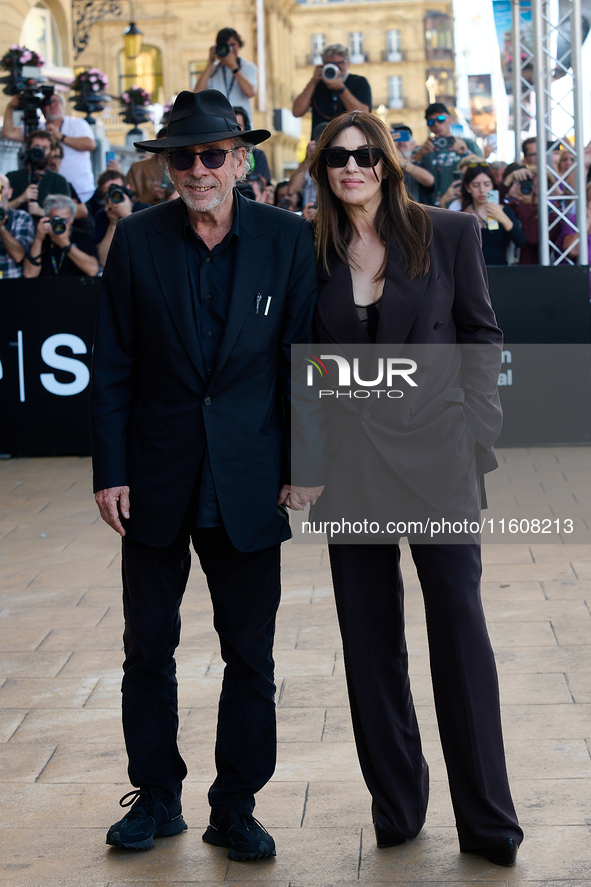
{"points": [[200, 117]]}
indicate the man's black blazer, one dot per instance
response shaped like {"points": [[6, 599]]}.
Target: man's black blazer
{"points": [[433, 436], [154, 410]]}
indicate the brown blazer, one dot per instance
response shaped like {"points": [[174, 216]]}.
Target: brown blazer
{"points": [[444, 428]]}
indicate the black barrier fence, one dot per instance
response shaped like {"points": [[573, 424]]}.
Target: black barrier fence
{"points": [[47, 328]]}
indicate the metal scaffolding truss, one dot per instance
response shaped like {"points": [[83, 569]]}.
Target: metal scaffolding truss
{"points": [[523, 68], [557, 39]]}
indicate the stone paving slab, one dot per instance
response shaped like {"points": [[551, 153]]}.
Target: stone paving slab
{"points": [[62, 759]]}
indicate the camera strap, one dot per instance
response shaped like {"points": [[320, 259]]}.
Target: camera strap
{"points": [[64, 252], [228, 90]]}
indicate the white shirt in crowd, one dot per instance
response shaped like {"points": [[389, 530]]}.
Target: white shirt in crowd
{"points": [[76, 166], [221, 78]]}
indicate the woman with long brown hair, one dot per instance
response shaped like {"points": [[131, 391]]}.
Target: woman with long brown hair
{"points": [[396, 276]]}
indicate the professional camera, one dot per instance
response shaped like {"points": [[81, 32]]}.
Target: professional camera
{"points": [[527, 186], [443, 143], [35, 157], [222, 50], [330, 71], [117, 193], [58, 225], [246, 189], [33, 91]]}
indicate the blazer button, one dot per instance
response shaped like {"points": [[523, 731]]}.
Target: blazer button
{"points": [[438, 325], [207, 401]]}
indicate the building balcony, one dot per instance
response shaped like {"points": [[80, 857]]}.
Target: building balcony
{"points": [[395, 104], [358, 58], [391, 55], [440, 54]]}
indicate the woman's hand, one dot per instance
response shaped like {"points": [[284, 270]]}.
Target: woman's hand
{"points": [[496, 211]]}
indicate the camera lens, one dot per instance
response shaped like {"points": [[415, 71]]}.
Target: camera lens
{"points": [[58, 225], [330, 71], [116, 194], [222, 50], [527, 186]]}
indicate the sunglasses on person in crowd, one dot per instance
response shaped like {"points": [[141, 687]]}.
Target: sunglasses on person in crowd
{"points": [[211, 158], [473, 165], [441, 118], [336, 157]]}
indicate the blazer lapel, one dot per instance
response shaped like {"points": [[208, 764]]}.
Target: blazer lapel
{"points": [[252, 253], [401, 301], [336, 308], [167, 244]]}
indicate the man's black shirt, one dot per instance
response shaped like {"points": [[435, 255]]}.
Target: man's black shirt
{"points": [[326, 104], [211, 273]]}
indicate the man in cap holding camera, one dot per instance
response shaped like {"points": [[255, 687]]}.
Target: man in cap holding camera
{"points": [[59, 249], [226, 71], [202, 298], [441, 153], [31, 185], [332, 90]]}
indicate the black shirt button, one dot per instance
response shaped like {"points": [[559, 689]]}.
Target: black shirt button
{"points": [[208, 296], [208, 260], [207, 401], [209, 333], [209, 372], [438, 325]]}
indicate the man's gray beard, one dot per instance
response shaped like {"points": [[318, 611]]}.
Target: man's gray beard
{"points": [[216, 200]]}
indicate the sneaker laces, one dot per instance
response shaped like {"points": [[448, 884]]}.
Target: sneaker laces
{"points": [[136, 795], [248, 820]]}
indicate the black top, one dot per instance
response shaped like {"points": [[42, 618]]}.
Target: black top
{"points": [[495, 243], [326, 104], [211, 273], [62, 264], [49, 183]]}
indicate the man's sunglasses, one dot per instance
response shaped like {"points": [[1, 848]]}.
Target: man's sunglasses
{"points": [[433, 120], [211, 158], [363, 156]]}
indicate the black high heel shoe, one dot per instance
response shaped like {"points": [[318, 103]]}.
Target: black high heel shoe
{"points": [[384, 839], [503, 853]]}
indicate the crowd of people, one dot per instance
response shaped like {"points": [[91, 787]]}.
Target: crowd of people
{"points": [[445, 171]]}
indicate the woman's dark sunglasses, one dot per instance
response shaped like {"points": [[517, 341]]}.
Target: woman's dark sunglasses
{"points": [[211, 158], [433, 120], [363, 156]]}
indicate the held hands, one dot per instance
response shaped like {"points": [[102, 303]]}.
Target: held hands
{"points": [[111, 503], [297, 498], [116, 211], [43, 229]]}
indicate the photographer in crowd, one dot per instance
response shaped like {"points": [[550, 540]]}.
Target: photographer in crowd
{"points": [[227, 72], [58, 247], [442, 152], [332, 89], [418, 182], [16, 234], [259, 164], [73, 133], [31, 185], [118, 204]]}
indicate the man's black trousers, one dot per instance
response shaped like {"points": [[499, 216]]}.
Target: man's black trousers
{"points": [[245, 591], [369, 597]]}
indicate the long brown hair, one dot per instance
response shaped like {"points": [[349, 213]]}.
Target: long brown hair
{"points": [[398, 217]]}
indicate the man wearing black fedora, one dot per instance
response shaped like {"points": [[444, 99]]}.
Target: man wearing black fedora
{"points": [[201, 300]]}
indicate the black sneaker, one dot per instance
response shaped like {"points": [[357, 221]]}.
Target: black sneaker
{"points": [[145, 821], [242, 833]]}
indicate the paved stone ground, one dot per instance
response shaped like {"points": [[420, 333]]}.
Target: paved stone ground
{"points": [[62, 763]]}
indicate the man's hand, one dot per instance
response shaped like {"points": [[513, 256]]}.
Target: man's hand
{"points": [[337, 83], [425, 148], [32, 193], [108, 500], [317, 75], [297, 498], [61, 240], [309, 212], [230, 61], [54, 129], [460, 147], [43, 229], [116, 211]]}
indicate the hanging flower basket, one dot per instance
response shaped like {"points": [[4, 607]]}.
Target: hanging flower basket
{"points": [[20, 56], [92, 80], [135, 101]]}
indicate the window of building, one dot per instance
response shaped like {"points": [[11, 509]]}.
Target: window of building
{"points": [[40, 33], [393, 46], [395, 97], [356, 48], [438, 36], [441, 85], [144, 71], [196, 69], [318, 43]]}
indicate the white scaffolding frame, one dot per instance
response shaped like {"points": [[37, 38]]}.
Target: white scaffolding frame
{"points": [[558, 197]]}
